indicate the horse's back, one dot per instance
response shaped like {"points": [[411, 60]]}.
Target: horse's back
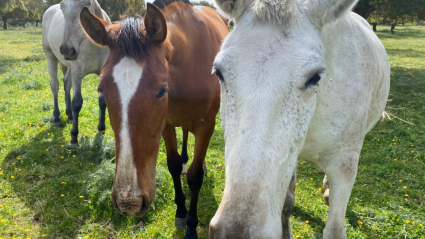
{"points": [[195, 34]]}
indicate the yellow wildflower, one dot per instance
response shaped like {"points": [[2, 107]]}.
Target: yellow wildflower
{"points": [[359, 222], [407, 221], [81, 196], [84, 181], [62, 195], [12, 176], [63, 182], [406, 195], [404, 187]]}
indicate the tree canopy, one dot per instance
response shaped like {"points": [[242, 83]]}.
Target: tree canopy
{"points": [[391, 10]]}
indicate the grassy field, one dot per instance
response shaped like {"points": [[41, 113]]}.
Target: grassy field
{"points": [[48, 190]]}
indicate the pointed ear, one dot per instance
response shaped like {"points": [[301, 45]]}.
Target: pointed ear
{"points": [[94, 27], [155, 24], [325, 11]]}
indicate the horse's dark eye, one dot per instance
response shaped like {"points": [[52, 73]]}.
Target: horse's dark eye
{"points": [[314, 80], [220, 76], [161, 93]]}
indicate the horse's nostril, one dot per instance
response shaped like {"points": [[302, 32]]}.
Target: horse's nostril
{"points": [[73, 52]]}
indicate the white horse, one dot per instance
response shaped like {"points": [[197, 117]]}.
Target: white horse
{"points": [[300, 79], [64, 42]]}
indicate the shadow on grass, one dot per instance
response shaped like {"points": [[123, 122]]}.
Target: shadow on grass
{"points": [[67, 189], [6, 62], [54, 182]]}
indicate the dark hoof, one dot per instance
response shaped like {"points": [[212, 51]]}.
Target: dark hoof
{"points": [[180, 222], [55, 124], [73, 145], [191, 233], [101, 132], [69, 121]]}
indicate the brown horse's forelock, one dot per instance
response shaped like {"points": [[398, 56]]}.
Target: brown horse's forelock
{"points": [[130, 38]]}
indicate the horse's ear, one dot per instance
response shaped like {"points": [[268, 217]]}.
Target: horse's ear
{"points": [[94, 27], [155, 24], [325, 11]]}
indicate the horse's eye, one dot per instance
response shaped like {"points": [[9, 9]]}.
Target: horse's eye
{"points": [[314, 80], [219, 75], [161, 93]]}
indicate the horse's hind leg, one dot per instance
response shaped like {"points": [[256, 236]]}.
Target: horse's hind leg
{"points": [[174, 163], [52, 64], [325, 190], [195, 175], [185, 157], [67, 83], [288, 207], [102, 108]]}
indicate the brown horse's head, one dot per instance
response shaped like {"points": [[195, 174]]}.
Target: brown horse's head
{"points": [[134, 81]]}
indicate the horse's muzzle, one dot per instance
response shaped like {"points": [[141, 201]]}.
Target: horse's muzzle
{"points": [[130, 206], [70, 54]]}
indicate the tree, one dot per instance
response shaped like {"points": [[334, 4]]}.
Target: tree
{"points": [[12, 9], [204, 3], [36, 10]]}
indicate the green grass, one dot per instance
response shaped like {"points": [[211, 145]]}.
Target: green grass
{"points": [[52, 191]]}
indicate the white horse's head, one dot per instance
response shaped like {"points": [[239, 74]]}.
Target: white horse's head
{"points": [[73, 33], [270, 68]]}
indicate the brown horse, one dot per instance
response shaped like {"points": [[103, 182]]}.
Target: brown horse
{"points": [[158, 77]]}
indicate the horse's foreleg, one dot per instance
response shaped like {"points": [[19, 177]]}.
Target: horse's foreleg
{"points": [[77, 104], [185, 157], [52, 64], [341, 171], [174, 163], [67, 84], [288, 207], [102, 108], [195, 174]]}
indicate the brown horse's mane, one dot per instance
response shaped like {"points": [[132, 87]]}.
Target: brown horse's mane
{"points": [[163, 3], [130, 39]]}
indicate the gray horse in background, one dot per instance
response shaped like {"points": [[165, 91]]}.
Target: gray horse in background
{"points": [[64, 42]]}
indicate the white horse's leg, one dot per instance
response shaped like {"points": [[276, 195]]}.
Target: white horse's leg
{"points": [[288, 207], [77, 102], [67, 84], [341, 171], [52, 64]]}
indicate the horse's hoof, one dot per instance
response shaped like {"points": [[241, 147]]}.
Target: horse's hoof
{"points": [[191, 233], [69, 121], [74, 145], [180, 222], [101, 132], [55, 124], [184, 170], [326, 196]]}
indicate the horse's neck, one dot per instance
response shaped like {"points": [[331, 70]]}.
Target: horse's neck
{"points": [[96, 9]]}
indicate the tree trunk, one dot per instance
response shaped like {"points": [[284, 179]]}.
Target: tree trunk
{"points": [[392, 27], [36, 23], [24, 22], [4, 22], [374, 26]]}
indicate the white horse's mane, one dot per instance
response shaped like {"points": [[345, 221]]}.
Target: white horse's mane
{"points": [[284, 12], [272, 11]]}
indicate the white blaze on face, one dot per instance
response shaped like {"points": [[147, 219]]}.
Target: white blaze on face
{"points": [[127, 74]]}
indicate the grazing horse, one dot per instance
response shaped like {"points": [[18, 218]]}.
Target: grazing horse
{"points": [[300, 80], [158, 77], [64, 42]]}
